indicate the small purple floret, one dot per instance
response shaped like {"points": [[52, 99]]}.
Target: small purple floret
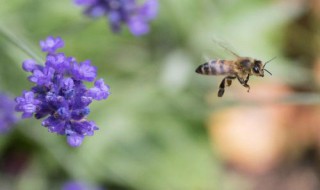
{"points": [[27, 104], [84, 71], [30, 65], [150, 9], [74, 140], [137, 26], [51, 44], [123, 12], [100, 91], [59, 95]]}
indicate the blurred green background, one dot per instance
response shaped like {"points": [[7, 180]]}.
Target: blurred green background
{"points": [[154, 128]]}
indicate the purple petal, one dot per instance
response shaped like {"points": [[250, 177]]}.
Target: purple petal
{"points": [[7, 113], [51, 44], [67, 88], [42, 77], [138, 26], [149, 10], [54, 125], [84, 127], [26, 104], [114, 21], [95, 11], [75, 140], [85, 2], [30, 65], [100, 91], [58, 61], [63, 113], [84, 71], [80, 113], [79, 185]]}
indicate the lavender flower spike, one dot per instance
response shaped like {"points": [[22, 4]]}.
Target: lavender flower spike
{"points": [[59, 95], [7, 114], [123, 12]]}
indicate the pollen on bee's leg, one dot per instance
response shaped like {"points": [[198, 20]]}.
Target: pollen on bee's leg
{"points": [[229, 82]]}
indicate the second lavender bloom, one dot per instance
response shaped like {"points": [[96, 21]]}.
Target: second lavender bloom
{"points": [[119, 12], [7, 113]]}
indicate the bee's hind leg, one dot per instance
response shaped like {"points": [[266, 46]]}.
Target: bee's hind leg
{"points": [[227, 80], [221, 87]]}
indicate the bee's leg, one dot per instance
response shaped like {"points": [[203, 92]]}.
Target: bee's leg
{"points": [[221, 87], [229, 80], [226, 80], [244, 82]]}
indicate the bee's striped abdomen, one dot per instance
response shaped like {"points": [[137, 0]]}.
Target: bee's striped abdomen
{"points": [[213, 67]]}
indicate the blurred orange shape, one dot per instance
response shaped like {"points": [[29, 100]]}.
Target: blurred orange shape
{"points": [[253, 138]]}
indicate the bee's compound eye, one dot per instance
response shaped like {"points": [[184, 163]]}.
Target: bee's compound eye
{"points": [[256, 69]]}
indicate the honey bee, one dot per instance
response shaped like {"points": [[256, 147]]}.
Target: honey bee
{"points": [[241, 68]]}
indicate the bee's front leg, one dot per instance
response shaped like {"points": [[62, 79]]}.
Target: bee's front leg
{"points": [[244, 82]]}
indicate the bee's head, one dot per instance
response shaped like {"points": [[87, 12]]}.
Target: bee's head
{"points": [[258, 68]]}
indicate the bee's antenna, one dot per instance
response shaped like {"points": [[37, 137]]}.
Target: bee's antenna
{"points": [[268, 62], [268, 71]]}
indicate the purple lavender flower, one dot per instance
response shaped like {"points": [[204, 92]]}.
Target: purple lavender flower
{"points": [[123, 12], [7, 114], [79, 185], [59, 95], [51, 44]]}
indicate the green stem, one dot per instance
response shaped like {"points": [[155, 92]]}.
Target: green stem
{"points": [[11, 37]]}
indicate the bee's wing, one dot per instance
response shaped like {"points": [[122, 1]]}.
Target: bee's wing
{"points": [[206, 58], [225, 48]]}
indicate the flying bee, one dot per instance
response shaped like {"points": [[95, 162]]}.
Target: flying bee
{"points": [[241, 68]]}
